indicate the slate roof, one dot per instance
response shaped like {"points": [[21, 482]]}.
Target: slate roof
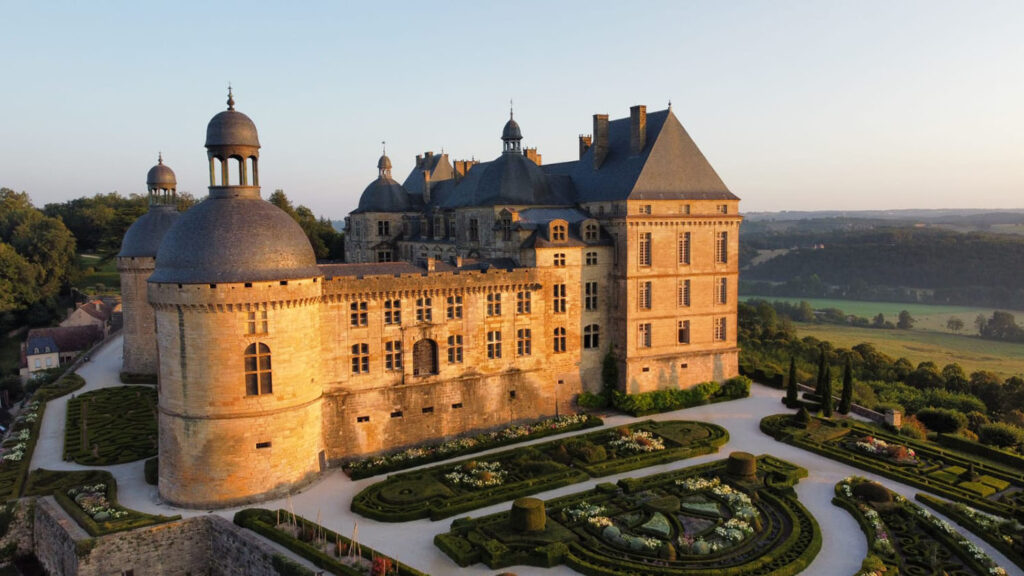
{"points": [[384, 195], [509, 179], [40, 341], [143, 237], [68, 338]]}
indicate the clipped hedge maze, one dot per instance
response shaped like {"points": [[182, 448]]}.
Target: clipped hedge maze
{"points": [[926, 465], [905, 538], [1004, 534], [111, 426], [448, 489], [698, 521]]}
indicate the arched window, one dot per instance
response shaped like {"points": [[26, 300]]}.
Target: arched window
{"points": [[591, 336], [559, 339], [257, 370], [424, 358]]}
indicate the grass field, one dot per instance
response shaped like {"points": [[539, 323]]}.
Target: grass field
{"points": [[97, 271]]}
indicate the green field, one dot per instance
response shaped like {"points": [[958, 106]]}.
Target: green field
{"points": [[98, 274], [929, 340]]}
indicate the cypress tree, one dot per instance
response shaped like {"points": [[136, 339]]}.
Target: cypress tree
{"points": [[791, 395], [826, 393], [847, 397], [821, 373]]}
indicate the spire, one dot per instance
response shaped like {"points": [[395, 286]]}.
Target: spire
{"points": [[159, 157], [511, 134], [231, 98], [384, 164]]}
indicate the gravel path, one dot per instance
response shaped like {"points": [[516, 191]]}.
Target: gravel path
{"points": [[843, 544]]}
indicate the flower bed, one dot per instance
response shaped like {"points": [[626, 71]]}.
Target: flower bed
{"points": [[415, 456], [111, 426], [18, 448], [448, 489], [905, 537], [638, 527], [1004, 534]]}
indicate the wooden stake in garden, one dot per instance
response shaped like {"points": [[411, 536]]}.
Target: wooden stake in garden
{"points": [[354, 546]]}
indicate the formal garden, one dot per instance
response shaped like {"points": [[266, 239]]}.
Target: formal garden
{"points": [[905, 538], [973, 478], [725, 518], [323, 547], [111, 426], [1005, 534], [448, 489]]}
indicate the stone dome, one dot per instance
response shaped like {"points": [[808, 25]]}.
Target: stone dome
{"points": [[234, 238], [143, 237], [231, 128], [384, 163], [384, 195], [161, 177], [511, 131], [509, 179]]}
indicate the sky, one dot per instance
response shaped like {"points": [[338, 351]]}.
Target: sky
{"points": [[813, 105]]}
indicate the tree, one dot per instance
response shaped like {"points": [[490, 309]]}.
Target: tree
{"points": [[955, 378], [942, 420], [1002, 326], [791, 392], [846, 399], [806, 313], [906, 321], [979, 322], [879, 321], [820, 382], [1001, 435], [955, 324], [826, 393]]}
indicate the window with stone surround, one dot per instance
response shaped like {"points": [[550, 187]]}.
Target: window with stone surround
{"points": [[590, 296], [524, 300], [591, 336], [524, 346], [684, 209], [684, 331], [424, 357], [720, 329], [494, 344], [423, 309], [559, 300], [721, 247], [559, 260], [644, 249], [643, 297], [506, 229], [256, 323], [358, 314], [455, 349], [684, 248], [393, 355], [392, 311], [559, 340], [591, 259], [474, 230], [723, 208], [383, 228], [558, 232], [494, 304], [384, 256], [722, 294], [591, 232], [258, 378], [454, 307], [643, 335], [683, 295], [360, 358]]}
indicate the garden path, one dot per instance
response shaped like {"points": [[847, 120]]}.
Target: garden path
{"points": [[843, 544]]}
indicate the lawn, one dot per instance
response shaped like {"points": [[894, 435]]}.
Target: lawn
{"points": [[99, 274]]}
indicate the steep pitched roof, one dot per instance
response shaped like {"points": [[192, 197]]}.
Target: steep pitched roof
{"points": [[69, 338], [669, 167]]}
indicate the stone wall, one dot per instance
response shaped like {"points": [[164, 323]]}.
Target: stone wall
{"points": [[140, 355], [18, 539]]}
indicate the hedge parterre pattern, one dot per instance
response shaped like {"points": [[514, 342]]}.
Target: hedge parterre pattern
{"points": [[1004, 534], [906, 537], [926, 465], [111, 426], [448, 489], [692, 522], [323, 547]]}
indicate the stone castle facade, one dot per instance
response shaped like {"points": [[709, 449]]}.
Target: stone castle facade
{"points": [[474, 295]]}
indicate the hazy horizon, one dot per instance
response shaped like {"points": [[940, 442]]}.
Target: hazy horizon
{"points": [[798, 106]]}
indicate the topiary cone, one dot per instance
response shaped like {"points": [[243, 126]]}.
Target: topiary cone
{"points": [[741, 465], [527, 515]]}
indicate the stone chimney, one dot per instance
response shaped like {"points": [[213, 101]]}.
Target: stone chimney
{"points": [[600, 143], [431, 264], [532, 154], [426, 186], [584, 144], [637, 129]]}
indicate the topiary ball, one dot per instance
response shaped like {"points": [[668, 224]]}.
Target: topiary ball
{"points": [[872, 492], [741, 465], [527, 515]]}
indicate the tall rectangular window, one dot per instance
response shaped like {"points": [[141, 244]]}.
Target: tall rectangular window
{"points": [[423, 310], [455, 349], [720, 329], [590, 296], [392, 311], [523, 342], [360, 358], [256, 323], [721, 247], [506, 229], [393, 355], [644, 256], [722, 293], [559, 299], [494, 344], [454, 308], [383, 228], [474, 230], [685, 209], [683, 298], [643, 297], [684, 247], [523, 301], [643, 339], [684, 331], [358, 313], [494, 304], [559, 340]]}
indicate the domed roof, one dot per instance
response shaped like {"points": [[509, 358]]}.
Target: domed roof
{"points": [[234, 238], [384, 163], [143, 237], [384, 195], [509, 179], [231, 128], [511, 131], [161, 177]]}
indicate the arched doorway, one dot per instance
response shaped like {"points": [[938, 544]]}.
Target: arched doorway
{"points": [[424, 358]]}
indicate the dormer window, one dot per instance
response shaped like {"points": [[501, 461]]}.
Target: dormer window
{"points": [[590, 232], [506, 229], [558, 232]]}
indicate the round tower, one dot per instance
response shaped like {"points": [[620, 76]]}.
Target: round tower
{"points": [[135, 263], [236, 292]]}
